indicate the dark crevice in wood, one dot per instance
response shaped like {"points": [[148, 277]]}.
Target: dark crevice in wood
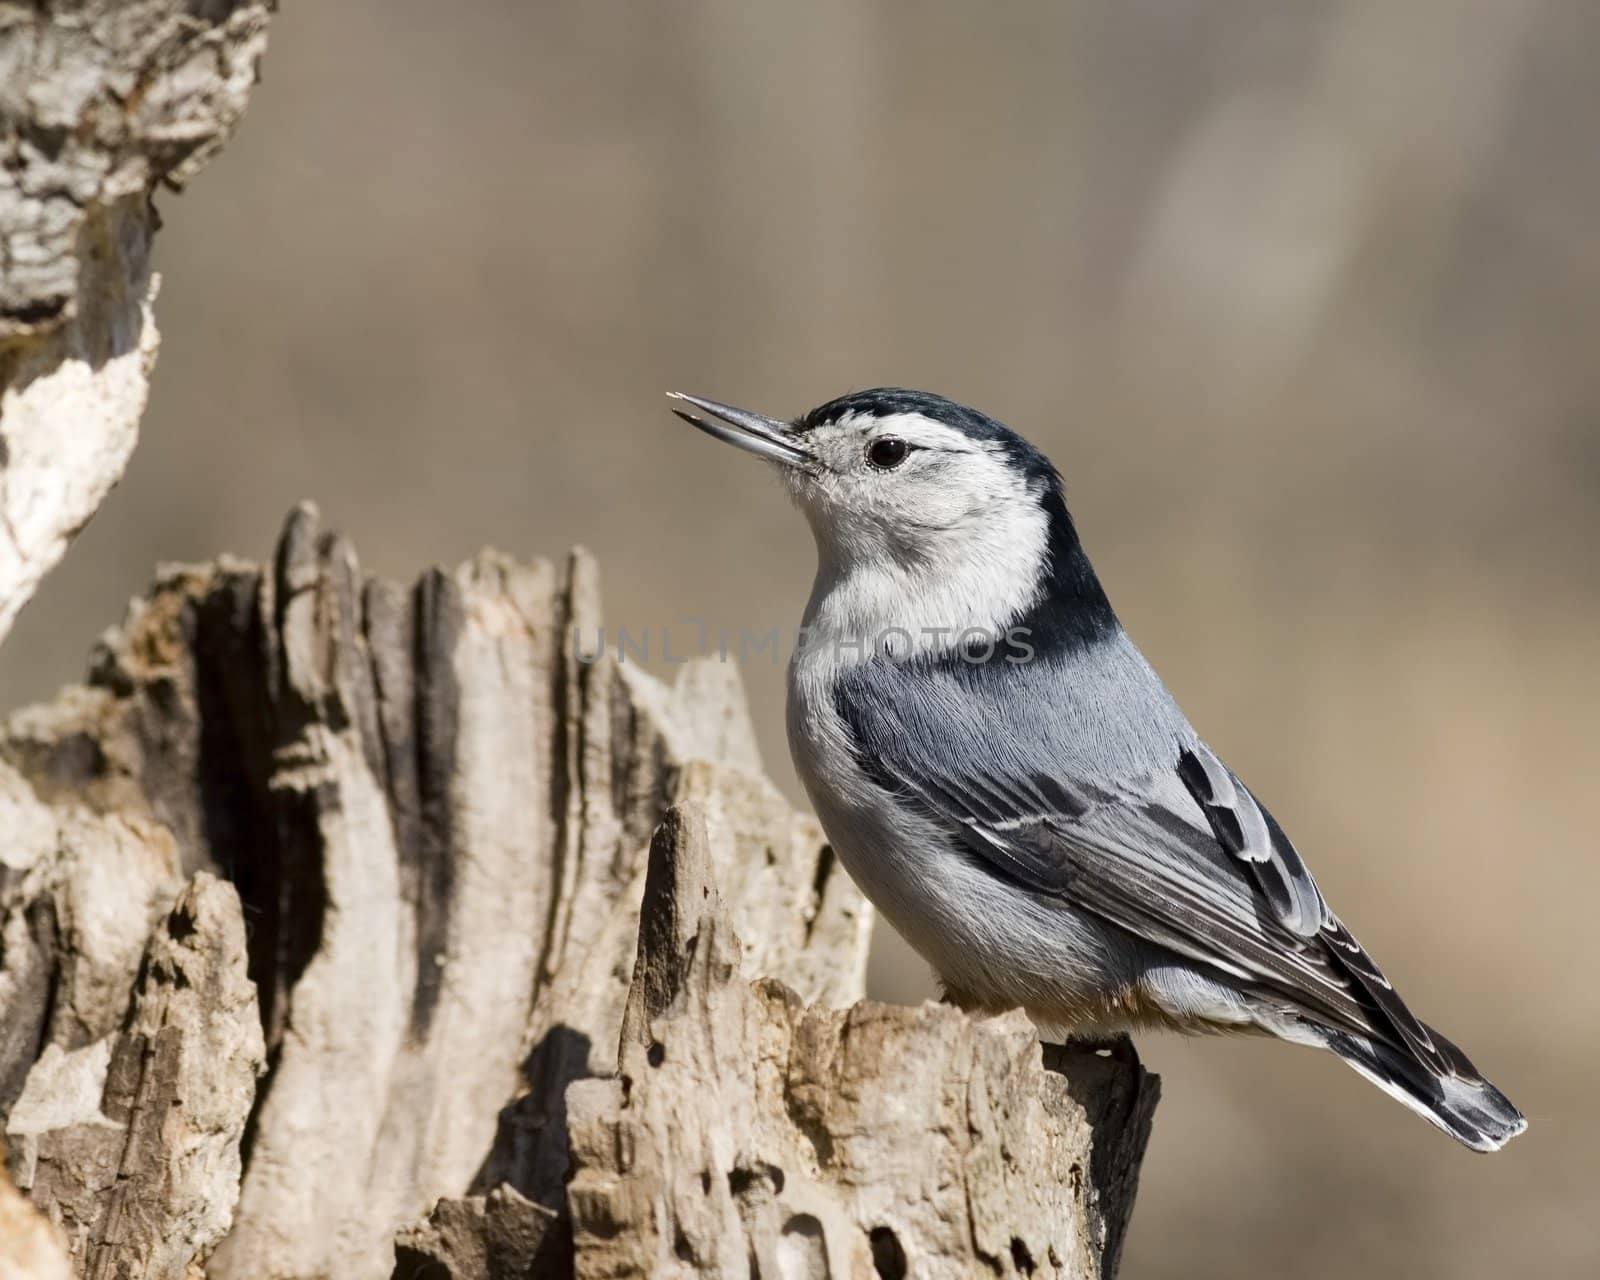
{"points": [[438, 628]]}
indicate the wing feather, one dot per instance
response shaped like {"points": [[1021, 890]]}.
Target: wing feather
{"points": [[1218, 883]]}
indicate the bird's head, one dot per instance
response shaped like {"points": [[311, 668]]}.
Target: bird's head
{"points": [[902, 476], [928, 516]]}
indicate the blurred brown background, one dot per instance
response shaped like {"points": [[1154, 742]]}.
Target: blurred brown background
{"points": [[1304, 300]]}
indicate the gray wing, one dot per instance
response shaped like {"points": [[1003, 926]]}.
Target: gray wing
{"points": [[1181, 855]]}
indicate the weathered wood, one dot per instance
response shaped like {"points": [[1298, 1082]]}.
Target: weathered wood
{"points": [[749, 1134], [438, 820], [31, 1247], [131, 1142], [100, 101], [502, 1234]]}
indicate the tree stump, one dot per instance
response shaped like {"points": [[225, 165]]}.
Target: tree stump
{"points": [[389, 847]]}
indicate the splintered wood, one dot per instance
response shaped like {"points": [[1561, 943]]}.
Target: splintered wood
{"points": [[323, 956]]}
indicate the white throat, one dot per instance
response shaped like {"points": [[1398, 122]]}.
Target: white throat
{"points": [[978, 578]]}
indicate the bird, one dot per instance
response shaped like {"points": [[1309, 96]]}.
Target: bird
{"points": [[1005, 776]]}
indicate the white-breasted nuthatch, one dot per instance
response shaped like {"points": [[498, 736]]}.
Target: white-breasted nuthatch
{"points": [[1003, 774]]}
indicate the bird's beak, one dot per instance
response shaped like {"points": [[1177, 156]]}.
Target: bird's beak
{"points": [[763, 436]]}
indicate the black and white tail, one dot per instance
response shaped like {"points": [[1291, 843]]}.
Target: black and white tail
{"points": [[1412, 1062], [1451, 1094]]}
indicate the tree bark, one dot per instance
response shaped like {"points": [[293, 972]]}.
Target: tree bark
{"points": [[389, 847], [100, 101], [748, 1133]]}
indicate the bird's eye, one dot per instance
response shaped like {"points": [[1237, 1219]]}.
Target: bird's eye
{"points": [[887, 452]]}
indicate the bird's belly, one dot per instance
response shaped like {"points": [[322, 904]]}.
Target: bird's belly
{"points": [[989, 943], [992, 943]]}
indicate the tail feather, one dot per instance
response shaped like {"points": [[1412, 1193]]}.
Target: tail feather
{"points": [[1457, 1099]]}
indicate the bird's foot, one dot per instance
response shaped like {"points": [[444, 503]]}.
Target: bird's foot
{"points": [[1118, 1046]]}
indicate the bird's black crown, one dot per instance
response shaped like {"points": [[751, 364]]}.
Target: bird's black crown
{"points": [[880, 402], [1072, 610]]}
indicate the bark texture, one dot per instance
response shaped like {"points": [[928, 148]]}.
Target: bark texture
{"points": [[750, 1134], [131, 1142], [100, 100], [30, 1247], [388, 847]]}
